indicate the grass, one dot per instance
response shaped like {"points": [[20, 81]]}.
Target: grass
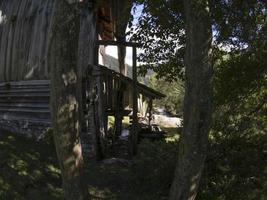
{"points": [[28, 169], [172, 134], [235, 169]]}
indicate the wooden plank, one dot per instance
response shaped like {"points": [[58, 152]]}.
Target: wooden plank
{"points": [[117, 43], [150, 107], [143, 89], [134, 136], [24, 110], [28, 91], [24, 105], [110, 91], [29, 82], [37, 95]]}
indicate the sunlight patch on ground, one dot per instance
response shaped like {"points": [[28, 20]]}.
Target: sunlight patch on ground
{"points": [[171, 134], [173, 138], [98, 193], [53, 169], [57, 192]]}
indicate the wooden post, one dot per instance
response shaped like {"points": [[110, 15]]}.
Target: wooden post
{"points": [[119, 109], [98, 107], [101, 129], [105, 99], [150, 105], [134, 134], [96, 59]]}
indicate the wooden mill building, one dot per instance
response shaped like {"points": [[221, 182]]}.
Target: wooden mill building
{"points": [[25, 79]]}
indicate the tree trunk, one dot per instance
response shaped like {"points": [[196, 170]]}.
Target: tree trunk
{"points": [[121, 8], [198, 101], [86, 57], [62, 59]]}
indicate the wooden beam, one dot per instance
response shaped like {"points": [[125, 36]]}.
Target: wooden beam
{"points": [[117, 43], [141, 88], [150, 106], [134, 135]]}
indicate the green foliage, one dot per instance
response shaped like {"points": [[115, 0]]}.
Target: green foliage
{"points": [[28, 169], [240, 76], [236, 169], [241, 94], [161, 32], [174, 92], [236, 162], [154, 168], [237, 25]]}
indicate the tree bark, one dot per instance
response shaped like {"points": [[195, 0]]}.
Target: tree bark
{"points": [[63, 59], [121, 8], [86, 57], [198, 101]]}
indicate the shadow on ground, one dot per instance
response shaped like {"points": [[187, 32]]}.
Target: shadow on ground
{"points": [[28, 169], [235, 169]]}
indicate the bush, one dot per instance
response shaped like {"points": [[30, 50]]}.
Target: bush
{"points": [[154, 168]]}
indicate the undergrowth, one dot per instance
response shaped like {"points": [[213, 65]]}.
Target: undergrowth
{"points": [[235, 170]]}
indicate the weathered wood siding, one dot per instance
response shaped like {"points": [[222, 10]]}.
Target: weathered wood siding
{"points": [[24, 27], [24, 107], [25, 34]]}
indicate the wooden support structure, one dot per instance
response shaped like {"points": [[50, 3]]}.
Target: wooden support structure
{"points": [[119, 108], [134, 131], [105, 99], [24, 105], [25, 75], [150, 106], [117, 43]]}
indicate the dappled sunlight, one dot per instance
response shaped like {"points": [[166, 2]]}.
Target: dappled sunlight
{"points": [[238, 166], [27, 168], [172, 135], [77, 151], [107, 181], [194, 185], [98, 193], [3, 17], [67, 136], [69, 78], [53, 170]]}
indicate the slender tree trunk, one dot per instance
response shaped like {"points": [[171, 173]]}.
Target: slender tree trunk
{"points": [[198, 101], [86, 56], [121, 8], [62, 59]]}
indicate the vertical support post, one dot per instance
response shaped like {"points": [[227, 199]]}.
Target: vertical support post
{"points": [[134, 136], [98, 107], [105, 98], [96, 59], [119, 109], [101, 129], [150, 105]]}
